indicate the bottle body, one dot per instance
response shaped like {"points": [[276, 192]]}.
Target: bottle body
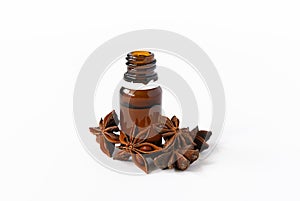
{"points": [[140, 108], [140, 97]]}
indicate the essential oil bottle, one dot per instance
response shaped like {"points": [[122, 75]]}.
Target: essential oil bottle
{"points": [[140, 95]]}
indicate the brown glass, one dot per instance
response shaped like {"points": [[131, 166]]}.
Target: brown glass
{"points": [[140, 107]]}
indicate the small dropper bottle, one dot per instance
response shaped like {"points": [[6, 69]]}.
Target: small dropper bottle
{"points": [[140, 95]]}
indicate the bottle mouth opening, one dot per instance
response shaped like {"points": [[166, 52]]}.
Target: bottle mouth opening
{"points": [[140, 53], [140, 58]]}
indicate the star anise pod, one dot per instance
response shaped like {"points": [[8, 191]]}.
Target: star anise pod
{"points": [[167, 127], [135, 145], [179, 158], [105, 135], [171, 133], [182, 152], [179, 148], [200, 138]]}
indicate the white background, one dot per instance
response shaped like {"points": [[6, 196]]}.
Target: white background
{"points": [[255, 46]]}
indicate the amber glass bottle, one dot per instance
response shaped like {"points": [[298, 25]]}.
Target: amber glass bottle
{"points": [[140, 96]]}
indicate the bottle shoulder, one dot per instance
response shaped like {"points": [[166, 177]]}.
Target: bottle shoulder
{"points": [[142, 93], [139, 86]]}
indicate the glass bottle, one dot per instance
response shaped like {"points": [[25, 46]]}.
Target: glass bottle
{"points": [[140, 95]]}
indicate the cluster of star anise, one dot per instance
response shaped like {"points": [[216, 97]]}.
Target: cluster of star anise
{"points": [[181, 146]]}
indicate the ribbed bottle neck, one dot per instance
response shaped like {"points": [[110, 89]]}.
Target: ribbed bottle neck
{"points": [[141, 67]]}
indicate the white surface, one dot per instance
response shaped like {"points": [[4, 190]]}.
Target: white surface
{"points": [[255, 47]]}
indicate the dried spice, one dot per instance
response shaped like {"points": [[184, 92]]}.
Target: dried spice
{"points": [[105, 133], [166, 127], [200, 138], [171, 133], [179, 158], [180, 149], [122, 155], [135, 144]]}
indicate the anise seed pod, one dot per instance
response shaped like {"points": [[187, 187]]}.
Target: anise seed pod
{"points": [[182, 163], [106, 147], [105, 135], [140, 161], [200, 138], [122, 156], [192, 155], [201, 144], [162, 160], [135, 143]]}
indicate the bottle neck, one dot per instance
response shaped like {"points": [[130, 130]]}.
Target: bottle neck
{"points": [[141, 67]]}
